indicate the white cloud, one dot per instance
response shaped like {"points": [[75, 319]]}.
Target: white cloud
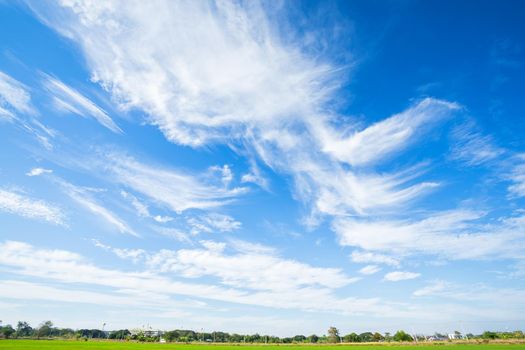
{"points": [[213, 222], [245, 86], [517, 176], [19, 204], [396, 276], [252, 269], [151, 290], [15, 100], [82, 197], [140, 207], [134, 255], [68, 99], [174, 189], [434, 287], [387, 136], [445, 234], [14, 95], [162, 219], [252, 266], [369, 257], [35, 291], [474, 293], [143, 210], [246, 247], [369, 270], [225, 172], [173, 233], [471, 147], [255, 176], [251, 79], [38, 171], [311, 287]]}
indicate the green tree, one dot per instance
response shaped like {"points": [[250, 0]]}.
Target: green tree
{"points": [[23, 329], [333, 335], [120, 334], [377, 337], [489, 335], [7, 331], [351, 338], [45, 329], [366, 337], [313, 339], [299, 338], [388, 337], [402, 336]]}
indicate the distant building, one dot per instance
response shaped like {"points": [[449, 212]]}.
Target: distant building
{"points": [[147, 333], [437, 337], [454, 336]]}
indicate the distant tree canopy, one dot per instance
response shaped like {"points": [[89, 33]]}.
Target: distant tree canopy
{"points": [[120, 334], [313, 338], [333, 335], [7, 331], [489, 335], [351, 338], [23, 329], [402, 336], [48, 330]]}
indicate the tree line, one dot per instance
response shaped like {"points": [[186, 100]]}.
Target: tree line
{"points": [[47, 330]]}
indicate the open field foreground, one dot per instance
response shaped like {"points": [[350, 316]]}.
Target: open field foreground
{"points": [[92, 345]]}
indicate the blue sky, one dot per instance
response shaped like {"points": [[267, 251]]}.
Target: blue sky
{"points": [[263, 167]]}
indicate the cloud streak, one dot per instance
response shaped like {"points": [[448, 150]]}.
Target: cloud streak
{"points": [[244, 85], [445, 234], [176, 190], [71, 268], [397, 276], [68, 99], [15, 96], [83, 198], [16, 203]]}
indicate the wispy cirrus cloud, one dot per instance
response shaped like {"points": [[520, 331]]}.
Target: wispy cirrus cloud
{"points": [[431, 289], [19, 204], [245, 85], [14, 97], [38, 172], [472, 147], [153, 290], [16, 107], [134, 255], [239, 269], [505, 297], [83, 197], [176, 190], [68, 99], [517, 176], [397, 276], [369, 270], [388, 136], [444, 234], [307, 293], [375, 258]]}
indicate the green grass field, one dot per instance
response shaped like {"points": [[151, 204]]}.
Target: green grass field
{"points": [[95, 345]]}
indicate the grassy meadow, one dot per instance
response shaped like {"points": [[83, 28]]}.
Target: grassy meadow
{"points": [[102, 345]]}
